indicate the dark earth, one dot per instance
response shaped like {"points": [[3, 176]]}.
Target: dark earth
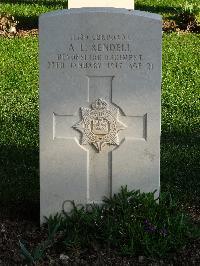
{"points": [[21, 222]]}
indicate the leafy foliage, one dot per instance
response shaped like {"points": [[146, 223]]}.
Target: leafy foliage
{"points": [[132, 223], [39, 252]]}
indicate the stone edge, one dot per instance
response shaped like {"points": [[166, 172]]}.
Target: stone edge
{"points": [[111, 10]]}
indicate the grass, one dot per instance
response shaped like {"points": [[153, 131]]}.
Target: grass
{"points": [[167, 8], [19, 91], [19, 118], [180, 86], [180, 169], [180, 165], [29, 10], [180, 153]]}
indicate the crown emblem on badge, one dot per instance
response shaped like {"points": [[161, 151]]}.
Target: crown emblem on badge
{"points": [[100, 124], [99, 104]]}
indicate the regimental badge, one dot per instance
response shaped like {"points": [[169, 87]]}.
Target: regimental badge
{"points": [[100, 125]]}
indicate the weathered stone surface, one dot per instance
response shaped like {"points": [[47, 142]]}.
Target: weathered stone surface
{"points": [[129, 4], [100, 79]]}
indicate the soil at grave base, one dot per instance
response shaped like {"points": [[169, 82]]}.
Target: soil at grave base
{"points": [[16, 223]]}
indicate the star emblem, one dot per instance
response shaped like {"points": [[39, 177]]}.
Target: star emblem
{"points": [[100, 124]]}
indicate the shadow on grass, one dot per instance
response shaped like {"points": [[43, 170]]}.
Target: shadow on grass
{"points": [[22, 210], [19, 182], [31, 22], [49, 3], [157, 8], [180, 168], [52, 3], [27, 23]]}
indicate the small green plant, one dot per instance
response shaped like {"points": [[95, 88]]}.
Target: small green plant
{"points": [[39, 252], [190, 8], [130, 222], [189, 17], [36, 255]]}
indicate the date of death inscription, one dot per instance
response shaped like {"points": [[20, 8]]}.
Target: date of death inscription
{"points": [[99, 51]]}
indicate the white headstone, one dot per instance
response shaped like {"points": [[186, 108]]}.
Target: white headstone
{"points": [[129, 4], [100, 82]]}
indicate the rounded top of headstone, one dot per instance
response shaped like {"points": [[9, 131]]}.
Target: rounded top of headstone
{"points": [[111, 10]]}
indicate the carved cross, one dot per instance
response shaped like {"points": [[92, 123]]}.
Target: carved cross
{"points": [[103, 127]]}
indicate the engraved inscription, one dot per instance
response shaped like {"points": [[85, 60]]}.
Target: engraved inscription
{"points": [[101, 37], [100, 51], [100, 125]]}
